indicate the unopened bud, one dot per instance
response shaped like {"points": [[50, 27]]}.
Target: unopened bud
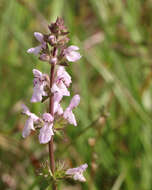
{"points": [[52, 40], [62, 41], [53, 60], [44, 57]]}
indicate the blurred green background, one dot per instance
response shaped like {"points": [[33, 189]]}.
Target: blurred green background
{"points": [[114, 133]]}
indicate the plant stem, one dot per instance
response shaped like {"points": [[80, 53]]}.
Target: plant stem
{"points": [[51, 151]]}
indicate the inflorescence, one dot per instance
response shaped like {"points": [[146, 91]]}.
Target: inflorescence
{"points": [[54, 50]]}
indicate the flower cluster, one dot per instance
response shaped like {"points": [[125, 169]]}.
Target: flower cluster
{"points": [[45, 123], [54, 50]]}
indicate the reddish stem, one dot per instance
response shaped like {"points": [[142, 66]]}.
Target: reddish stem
{"points": [[51, 150]]}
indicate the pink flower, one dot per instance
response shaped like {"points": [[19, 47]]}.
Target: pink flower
{"points": [[39, 84], [60, 87], [57, 107], [74, 102], [29, 125], [47, 117], [71, 53], [46, 131], [77, 173], [68, 114], [63, 75], [36, 50], [62, 81]]}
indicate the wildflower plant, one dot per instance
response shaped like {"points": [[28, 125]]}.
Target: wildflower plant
{"points": [[53, 49]]}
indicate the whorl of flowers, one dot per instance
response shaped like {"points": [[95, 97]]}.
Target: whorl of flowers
{"points": [[54, 50]]}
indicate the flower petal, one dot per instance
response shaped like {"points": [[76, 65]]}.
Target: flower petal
{"points": [[39, 36], [47, 117], [57, 107], [79, 177], [73, 48], [29, 125], [59, 110], [63, 75], [37, 95], [35, 50], [60, 88], [74, 101], [46, 133], [73, 56], [27, 112], [77, 173], [68, 115], [25, 109], [37, 73]]}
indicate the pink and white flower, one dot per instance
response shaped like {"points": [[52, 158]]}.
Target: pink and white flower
{"points": [[29, 125], [64, 76], [36, 50], [77, 173], [47, 118], [60, 87], [68, 114], [62, 81], [57, 107], [71, 53], [46, 131], [40, 82]]}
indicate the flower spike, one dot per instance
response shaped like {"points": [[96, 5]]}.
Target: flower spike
{"points": [[53, 48]]}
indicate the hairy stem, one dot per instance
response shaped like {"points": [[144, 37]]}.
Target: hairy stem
{"points": [[51, 151]]}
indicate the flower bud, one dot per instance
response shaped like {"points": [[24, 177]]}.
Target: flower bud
{"points": [[47, 117], [44, 57], [53, 60], [52, 40], [63, 40]]}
